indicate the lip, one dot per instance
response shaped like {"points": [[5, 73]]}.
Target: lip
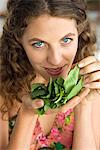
{"points": [[54, 72]]}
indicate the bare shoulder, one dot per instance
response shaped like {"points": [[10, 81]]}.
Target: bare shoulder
{"points": [[3, 126], [2, 107]]}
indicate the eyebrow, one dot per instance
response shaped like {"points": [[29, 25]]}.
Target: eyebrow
{"points": [[40, 39]]}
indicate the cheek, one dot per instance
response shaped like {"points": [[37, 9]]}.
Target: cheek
{"points": [[74, 47], [35, 57], [70, 51]]}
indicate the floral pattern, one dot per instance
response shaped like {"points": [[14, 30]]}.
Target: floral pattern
{"points": [[60, 134]]}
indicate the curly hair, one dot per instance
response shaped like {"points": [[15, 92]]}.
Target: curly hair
{"points": [[16, 72]]}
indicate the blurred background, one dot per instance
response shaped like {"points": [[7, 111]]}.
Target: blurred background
{"points": [[93, 11]]}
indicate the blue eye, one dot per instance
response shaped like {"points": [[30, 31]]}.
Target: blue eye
{"points": [[38, 44], [67, 40]]}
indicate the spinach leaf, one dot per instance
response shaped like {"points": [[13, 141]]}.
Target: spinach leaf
{"points": [[58, 91], [72, 79], [76, 89], [38, 90]]}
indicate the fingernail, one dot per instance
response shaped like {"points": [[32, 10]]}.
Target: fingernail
{"points": [[39, 102], [81, 65]]}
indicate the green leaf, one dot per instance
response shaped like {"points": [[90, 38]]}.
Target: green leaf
{"points": [[40, 111], [72, 79], [37, 86], [46, 107], [56, 88], [38, 93], [50, 86], [58, 91], [59, 99], [60, 81], [76, 89], [38, 90]]}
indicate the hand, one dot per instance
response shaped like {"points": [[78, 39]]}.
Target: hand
{"points": [[90, 69], [30, 105], [71, 103]]}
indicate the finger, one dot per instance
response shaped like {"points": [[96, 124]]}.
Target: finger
{"points": [[75, 101], [92, 77], [90, 68], [98, 91], [84, 93], [37, 103], [86, 61], [70, 104], [52, 111], [26, 99], [93, 85]]}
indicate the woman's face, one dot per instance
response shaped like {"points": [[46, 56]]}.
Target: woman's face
{"points": [[51, 45]]}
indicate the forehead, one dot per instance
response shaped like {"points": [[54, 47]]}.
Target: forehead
{"points": [[48, 25]]}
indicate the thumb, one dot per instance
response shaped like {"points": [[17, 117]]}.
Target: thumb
{"points": [[84, 93], [37, 103]]}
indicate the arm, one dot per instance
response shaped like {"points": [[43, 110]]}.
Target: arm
{"points": [[83, 132], [3, 133], [95, 96], [23, 130], [90, 69]]}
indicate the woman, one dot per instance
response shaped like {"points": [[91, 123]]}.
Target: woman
{"points": [[43, 39]]}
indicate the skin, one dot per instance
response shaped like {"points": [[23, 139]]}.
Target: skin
{"points": [[55, 54]]}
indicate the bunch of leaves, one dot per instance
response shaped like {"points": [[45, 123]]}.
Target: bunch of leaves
{"points": [[58, 91]]}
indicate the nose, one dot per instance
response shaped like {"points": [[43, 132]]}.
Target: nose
{"points": [[54, 56]]}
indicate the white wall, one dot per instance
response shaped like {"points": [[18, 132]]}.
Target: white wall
{"points": [[3, 5], [2, 9]]}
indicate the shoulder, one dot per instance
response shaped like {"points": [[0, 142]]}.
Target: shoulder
{"points": [[3, 125], [3, 108]]}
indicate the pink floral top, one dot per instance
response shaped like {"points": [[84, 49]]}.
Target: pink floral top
{"points": [[60, 135]]}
